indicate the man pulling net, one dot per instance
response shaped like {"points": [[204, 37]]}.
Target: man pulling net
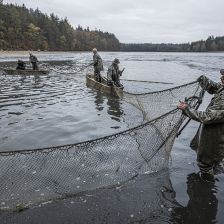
{"points": [[44, 174], [209, 140]]}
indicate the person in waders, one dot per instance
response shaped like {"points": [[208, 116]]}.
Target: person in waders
{"points": [[209, 139], [97, 64]]}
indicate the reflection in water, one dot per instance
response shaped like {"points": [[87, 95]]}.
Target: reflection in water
{"points": [[114, 108], [23, 79], [37, 79], [99, 101], [202, 205]]}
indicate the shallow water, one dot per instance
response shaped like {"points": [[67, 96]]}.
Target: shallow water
{"points": [[59, 109]]}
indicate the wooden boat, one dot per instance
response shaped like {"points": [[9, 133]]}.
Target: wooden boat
{"points": [[25, 72], [102, 86]]}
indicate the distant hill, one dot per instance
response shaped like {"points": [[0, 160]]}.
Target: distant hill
{"points": [[28, 29]]}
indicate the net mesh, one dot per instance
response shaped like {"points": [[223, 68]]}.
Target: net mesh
{"points": [[32, 176]]}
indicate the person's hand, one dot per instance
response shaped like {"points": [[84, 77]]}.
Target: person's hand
{"points": [[182, 105]]}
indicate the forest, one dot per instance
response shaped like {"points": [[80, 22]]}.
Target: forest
{"points": [[27, 29], [210, 44]]}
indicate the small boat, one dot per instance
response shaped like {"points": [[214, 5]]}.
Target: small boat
{"points": [[25, 72], [103, 87]]}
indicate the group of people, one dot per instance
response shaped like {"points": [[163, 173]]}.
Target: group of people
{"points": [[209, 140], [22, 65], [113, 72]]}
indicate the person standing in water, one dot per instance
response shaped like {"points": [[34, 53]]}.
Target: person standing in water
{"points": [[209, 140]]}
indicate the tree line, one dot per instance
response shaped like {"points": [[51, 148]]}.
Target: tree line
{"points": [[28, 29], [210, 44]]}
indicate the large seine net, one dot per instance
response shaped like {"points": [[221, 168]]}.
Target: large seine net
{"points": [[32, 176]]}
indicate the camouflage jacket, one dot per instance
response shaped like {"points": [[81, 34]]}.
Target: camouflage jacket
{"points": [[209, 140], [114, 73], [97, 62], [33, 59]]}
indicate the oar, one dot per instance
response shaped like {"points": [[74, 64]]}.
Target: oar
{"points": [[132, 80]]}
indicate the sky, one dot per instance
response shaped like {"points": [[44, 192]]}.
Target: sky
{"points": [[140, 21]]}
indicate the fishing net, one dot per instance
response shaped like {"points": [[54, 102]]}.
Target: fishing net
{"points": [[32, 176]]}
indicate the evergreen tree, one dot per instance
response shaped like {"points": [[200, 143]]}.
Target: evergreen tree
{"points": [[26, 29]]}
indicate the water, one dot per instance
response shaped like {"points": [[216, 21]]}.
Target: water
{"points": [[60, 109]]}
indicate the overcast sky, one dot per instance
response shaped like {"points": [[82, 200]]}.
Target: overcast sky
{"points": [[141, 21]]}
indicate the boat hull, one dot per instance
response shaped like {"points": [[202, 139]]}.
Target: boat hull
{"points": [[103, 87], [25, 72]]}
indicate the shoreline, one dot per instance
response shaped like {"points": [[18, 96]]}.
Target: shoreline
{"points": [[49, 51]]}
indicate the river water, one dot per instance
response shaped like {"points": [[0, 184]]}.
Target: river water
{"points": [[59, 109]]}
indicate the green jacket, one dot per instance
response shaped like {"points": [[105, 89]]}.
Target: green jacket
{"points": [[97, 62], [209, 140]]}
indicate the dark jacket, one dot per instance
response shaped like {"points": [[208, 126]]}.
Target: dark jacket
{"points": [[21, 65], [33, 59], [114, 73], [97, 62]]}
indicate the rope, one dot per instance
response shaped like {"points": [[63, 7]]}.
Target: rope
{"points": [[132, 80]]}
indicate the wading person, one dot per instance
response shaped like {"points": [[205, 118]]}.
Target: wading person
{"points": [[209, 140], [21, 65], [97, 64], [33, 60], [114, 73]]}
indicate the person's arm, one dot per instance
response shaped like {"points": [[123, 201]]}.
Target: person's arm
{"points": [[210, 116], [95, 60], [209, 85], [121, 71]]}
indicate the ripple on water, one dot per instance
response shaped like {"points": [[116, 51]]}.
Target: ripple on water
{"points": [[58, 109]]}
